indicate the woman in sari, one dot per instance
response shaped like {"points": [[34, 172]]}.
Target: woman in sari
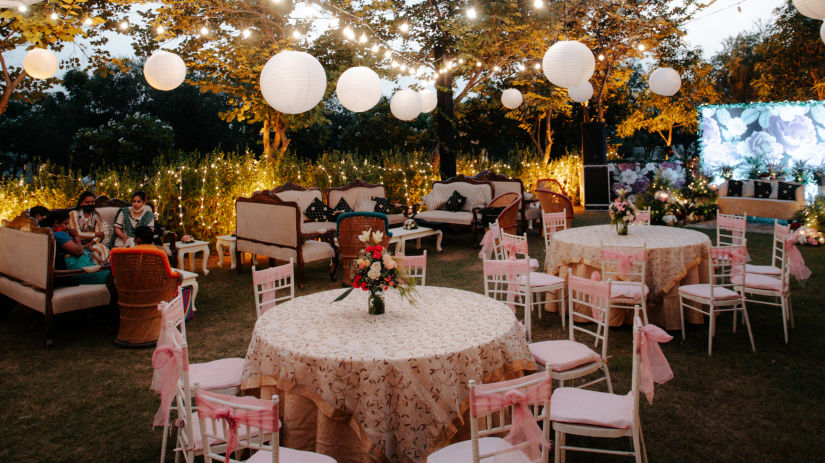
{"points": [[68, 253], [128, 219], [87, 227]]}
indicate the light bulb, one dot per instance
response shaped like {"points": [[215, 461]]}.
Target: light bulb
{"points": [[161, 30], [246, 33], [461, 61], [520, 67], [296, 34], [53, 16], [374, 48], [363, 38], [124, 25], [394, 64], [538, 4], [601, 57], [478, 64], [387, 54], [404, 28], [496, 69], [471, 13], [22, 8], [87, 21], [537, 66], [641, 47], [204, 31]]}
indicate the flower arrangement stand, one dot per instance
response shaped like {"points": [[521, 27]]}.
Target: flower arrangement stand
{"points": [[226, 241], [192, 249]]}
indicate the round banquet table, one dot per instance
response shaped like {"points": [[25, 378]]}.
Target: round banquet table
{"points": [[390, 387], [675, 257]]}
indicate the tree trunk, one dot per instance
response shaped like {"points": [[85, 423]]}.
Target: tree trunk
{"points": [[10, 86], [280, 142], [548, 133], [267, 145], [445, 118]]}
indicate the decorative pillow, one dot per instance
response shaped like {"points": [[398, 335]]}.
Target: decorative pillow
{"points": [[787, 191], [762, 190], [383, 205], [364, 204], [456, 202], [339, 209], [475, 199], [434, 200], [317, 211], [735, 187]]}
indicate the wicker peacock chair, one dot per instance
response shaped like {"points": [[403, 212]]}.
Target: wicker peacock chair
{"points": [[352, 224], [509, 217], [555, 202]]}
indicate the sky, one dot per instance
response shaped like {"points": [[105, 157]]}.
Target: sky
{"points": [[721, 20]]}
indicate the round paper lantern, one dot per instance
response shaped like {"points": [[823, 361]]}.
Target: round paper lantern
{"points": [[40, 63], [822, 32], [164, 70], [581, 93], [511, 98], [568, 64], [429, 100], [358, 89], [405, 105], [293, 82], [811, 8], [664, 81]]}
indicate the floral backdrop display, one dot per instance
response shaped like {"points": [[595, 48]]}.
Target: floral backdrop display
{"points": [[635, 178]]}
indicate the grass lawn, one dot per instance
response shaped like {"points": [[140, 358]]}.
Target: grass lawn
{"points": [[84, 399]]}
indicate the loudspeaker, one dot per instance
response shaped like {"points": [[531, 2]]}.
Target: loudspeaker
{"points": [[594, 144], [596, 187]]}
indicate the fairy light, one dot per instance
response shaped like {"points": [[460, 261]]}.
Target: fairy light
{"points": [[161, 29], [87, 21], [471, 13], [53, 16], [124, 25], [204, 31], [22, 8], [246, 33], [601, 57]]}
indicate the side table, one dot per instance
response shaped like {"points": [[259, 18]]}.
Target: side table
{"points": [[192, 249], [226, 241]]}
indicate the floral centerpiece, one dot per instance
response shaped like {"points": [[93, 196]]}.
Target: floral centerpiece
{"points": [[376, 271], [410, 224], [622, 212]]}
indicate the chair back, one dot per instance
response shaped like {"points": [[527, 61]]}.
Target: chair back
{"points": [[171, 368], [415, 267], [503, 200], [143, 277], [642, 217], [273, 286], [515, 407], [22, 241], [593, 296], [353, 190], [625, 263], [350, 226], [551, 223], [723, 263], [508, 281], [241, 422], [780, 232], [730, 229], [508, 218], [495, 233], [551, 184], [551, 201], [514, 246]]}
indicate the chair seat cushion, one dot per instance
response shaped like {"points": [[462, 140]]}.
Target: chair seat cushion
{"points": [[562, 355], [763, 269], [543, 279], [457, 218], [78, 297], [286, 455], [217, 374], [756, 281], [317, 250], [534, 264], [532, 213], [583, 406], [627, 290], [317, 227], [395, 219], [463, 452], [703, 291]]}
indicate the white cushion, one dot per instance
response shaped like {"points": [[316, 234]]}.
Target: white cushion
{"points": [[364, 204], [303, 198], [534, 264], [217, 374], [703, 291], [79, 297], [435, 199], [317, 227], [458, 218], [756, 281], [286, 455], [583, 406], [763, 269], [461, 452], [475, 199], [317, 250], [627, 290], [562, 355], [395, 219], [542, 279]]}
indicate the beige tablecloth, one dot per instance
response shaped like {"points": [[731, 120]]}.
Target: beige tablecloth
{"points": [[391, 387], [675, 257]]}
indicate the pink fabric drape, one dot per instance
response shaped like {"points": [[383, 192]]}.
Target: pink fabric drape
{"points": [[411, 261], [513, 269], [524, 427], [167, 362], [654, 367], [264, 418], [624, 259], [514, 246], [487, 242], [598, 291], [731, 223], [796, 263], [736, 254]]}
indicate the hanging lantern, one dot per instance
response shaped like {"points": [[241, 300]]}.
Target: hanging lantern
{"points": [[358, 89], [511, 98], [164, 70], [568, 63], [40, 63], [405, 105], [811, 8], [822, 32], [429, 100], [581, 93], [664, 81], [293, 82]]}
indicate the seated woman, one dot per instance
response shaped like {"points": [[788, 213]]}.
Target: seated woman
{"points": [[127, 219], [69, 253], [87, 227], [38, 213]]}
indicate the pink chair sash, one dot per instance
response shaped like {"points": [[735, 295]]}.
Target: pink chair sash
{"points": [[731, 223], [736, 254], [265, 418], [511, 268], [167, 361], [796, 263], [524, 428], [654, 367], [487, 241], [624, 260], [513, 246], [270, 275], [411, 261]]}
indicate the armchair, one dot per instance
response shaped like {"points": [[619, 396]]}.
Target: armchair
{"points": [[352, 224], [555, 202]]}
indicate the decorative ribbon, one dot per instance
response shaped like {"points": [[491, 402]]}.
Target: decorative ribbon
{"points": [[264, 418], [736, 254], [488, 241], [167, 362], [733, 224], [624, 260], [524, 427], [512, 268], [595, 276], [514, 246], [654, 366], [796, 263]]}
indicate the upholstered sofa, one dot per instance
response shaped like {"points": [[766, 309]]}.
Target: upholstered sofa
{"points": [[468, 216], [771, 207], [357, 188], [503, 184], [27, 274]]}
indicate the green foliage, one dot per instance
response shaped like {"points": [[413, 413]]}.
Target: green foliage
{"points": [[814, 214], [137, 139]]}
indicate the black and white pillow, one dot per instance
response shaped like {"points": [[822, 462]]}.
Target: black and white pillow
{"points": [[317, 211], [456, 202], [382, 205], [787, 191], [762, 190], [340, 208], [735, 187]]}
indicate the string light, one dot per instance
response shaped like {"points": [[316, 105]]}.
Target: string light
{"points": [[404, 28], [204, 31], [246, 33], [641, 47], [53, 16], [538, 4], [161, 29], [471, 13], [87, 21], [124, 25], [296, 34], [601, 57], [22, 8]]}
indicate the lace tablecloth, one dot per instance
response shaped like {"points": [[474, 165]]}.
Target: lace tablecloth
{"points": [[675, 256], [396, 380]]}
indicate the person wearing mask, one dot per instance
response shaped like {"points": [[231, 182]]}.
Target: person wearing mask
{"points": [[86, 225], [128, 219], [68, 253]]}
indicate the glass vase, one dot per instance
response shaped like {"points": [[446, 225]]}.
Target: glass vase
{"points": [[376, 302], [621, 227]]}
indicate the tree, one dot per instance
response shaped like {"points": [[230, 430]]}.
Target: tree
{"points": [[735, 67]]}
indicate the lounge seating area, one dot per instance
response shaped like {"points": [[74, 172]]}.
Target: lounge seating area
{"points": [[772, 199]]}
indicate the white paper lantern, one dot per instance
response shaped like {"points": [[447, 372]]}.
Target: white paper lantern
{"points": [[429, 100], [405, 105], [164, 70], [664, 81], [358, 89], [811, 8], [293, 82], [581, 93], [40, 63], [511, 98], [568, 64], [822, 32]]}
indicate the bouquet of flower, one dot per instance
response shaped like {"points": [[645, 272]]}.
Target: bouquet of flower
{"points": [[376, 271], [809, 236], [622, 212], [410, 224]]}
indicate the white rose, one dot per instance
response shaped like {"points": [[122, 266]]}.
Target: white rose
{"points": [[375, 271]]}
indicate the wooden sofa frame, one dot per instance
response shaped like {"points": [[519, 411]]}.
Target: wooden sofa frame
{"points": [[476, 223]]}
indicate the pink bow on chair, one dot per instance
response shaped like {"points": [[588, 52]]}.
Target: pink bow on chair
{"points": [[166, 360], [654, 365], [524, 428], [487, 241], [796, 263], [736, 254], [264, 418], [513, 246], [624, 260]]}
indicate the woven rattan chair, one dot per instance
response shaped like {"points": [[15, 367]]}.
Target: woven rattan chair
{"points": [[555, 202], [352, 224], [143, 279], [509, 217]]}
